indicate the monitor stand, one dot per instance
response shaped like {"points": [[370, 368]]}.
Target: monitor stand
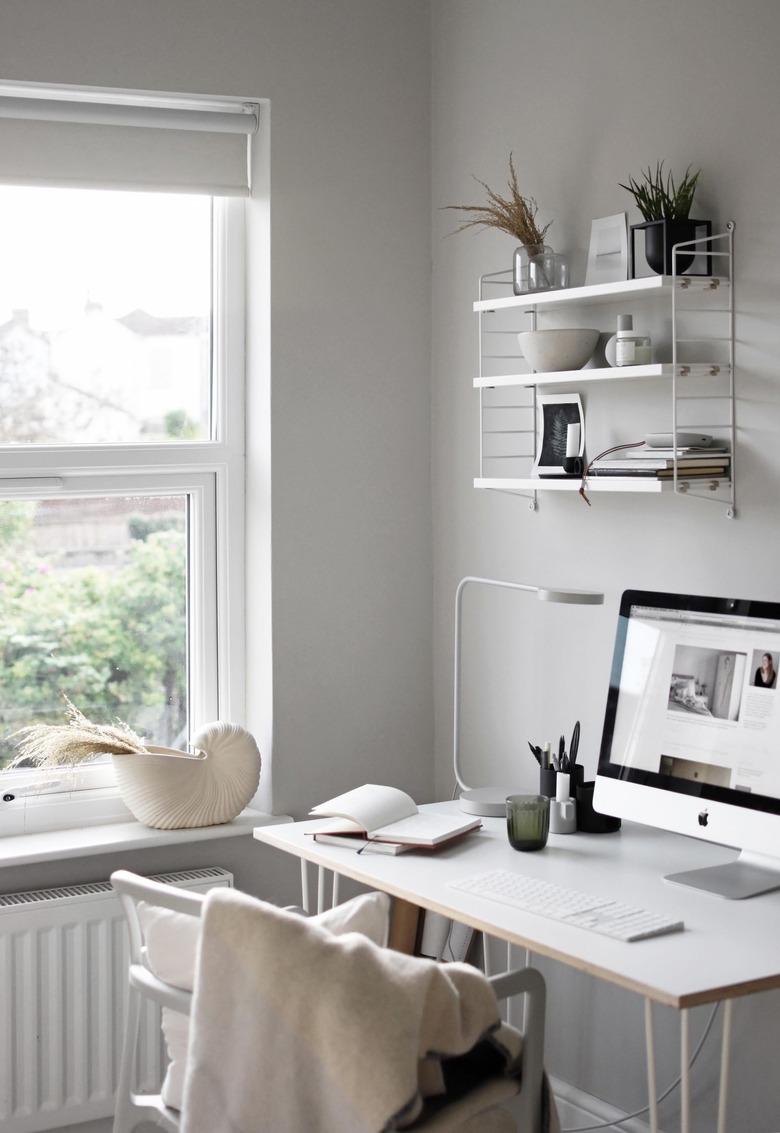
{"points": [[747, 876]]}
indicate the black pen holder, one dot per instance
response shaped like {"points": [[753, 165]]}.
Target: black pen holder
{"points": [[589, 821], [548, 777]]}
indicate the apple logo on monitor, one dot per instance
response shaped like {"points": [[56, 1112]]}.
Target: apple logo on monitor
{"points": [[703, 818]]}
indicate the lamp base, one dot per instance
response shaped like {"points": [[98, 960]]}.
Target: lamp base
{"points": [[489, 802]]}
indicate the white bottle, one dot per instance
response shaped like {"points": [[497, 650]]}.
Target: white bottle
{"points": [[563, 808], [631, 349]]}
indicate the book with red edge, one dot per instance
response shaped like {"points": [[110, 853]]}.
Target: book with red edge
{"points": [[386, 814]]}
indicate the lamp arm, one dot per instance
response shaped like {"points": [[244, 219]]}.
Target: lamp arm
{"points": [[544, 594], [464, 582]]}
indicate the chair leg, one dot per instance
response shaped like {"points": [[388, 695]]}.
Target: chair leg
{"points": [[124, 1113], [530, 982]]}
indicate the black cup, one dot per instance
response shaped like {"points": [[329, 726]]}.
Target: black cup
{"points": [[589, 821], [548, 778]]}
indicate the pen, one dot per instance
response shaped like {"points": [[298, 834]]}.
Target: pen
{"points": [[536, 752], [575, 743]]}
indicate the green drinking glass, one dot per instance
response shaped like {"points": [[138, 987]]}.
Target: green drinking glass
{"points": [[527, 821]]}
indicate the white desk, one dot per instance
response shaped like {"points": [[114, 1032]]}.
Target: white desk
{"points": [[719, 956]]}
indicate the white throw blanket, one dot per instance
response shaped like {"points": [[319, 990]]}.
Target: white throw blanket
{"points": [[295, 1030]]}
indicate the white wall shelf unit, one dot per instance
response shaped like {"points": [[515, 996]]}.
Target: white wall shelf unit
{"points": [[690, 382], [600, 374]]}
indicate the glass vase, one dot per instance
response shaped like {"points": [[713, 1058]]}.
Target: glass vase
{"points": [[548, 271], [536, 267]]}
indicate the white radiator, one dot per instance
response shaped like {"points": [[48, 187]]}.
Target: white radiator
{"points": [[63, 993]]}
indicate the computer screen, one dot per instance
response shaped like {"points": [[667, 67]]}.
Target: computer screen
{"points": [[691, 739]]}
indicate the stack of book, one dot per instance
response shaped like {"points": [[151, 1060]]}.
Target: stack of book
{"points": [[713, 463]]}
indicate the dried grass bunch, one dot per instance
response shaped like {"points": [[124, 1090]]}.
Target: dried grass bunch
{"points": [[57, 745], [515, 215]]}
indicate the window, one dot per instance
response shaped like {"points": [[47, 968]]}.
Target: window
{"points": [[121, 437], [105, 316], [93, 604]]}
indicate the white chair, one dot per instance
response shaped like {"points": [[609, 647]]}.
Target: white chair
{"points": [[142, 899], [133, 1109]]}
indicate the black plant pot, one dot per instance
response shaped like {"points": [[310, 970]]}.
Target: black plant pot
{"points": [[661, 236]]}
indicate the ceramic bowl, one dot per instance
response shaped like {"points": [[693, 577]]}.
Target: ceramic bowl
{"points": [[169, 789], [557, 348]]}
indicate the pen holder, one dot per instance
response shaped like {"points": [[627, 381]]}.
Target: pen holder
{"points": [[589, 821], [563, 816], [577, 776], [563, 809], [548, 780]]}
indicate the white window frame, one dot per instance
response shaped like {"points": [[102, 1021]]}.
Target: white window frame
{"points": [[212, 473]]}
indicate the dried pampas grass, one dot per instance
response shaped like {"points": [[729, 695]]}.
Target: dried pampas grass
{"points": [[57, 745], [515, 214]]}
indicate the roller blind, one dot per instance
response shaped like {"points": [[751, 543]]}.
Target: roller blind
{"points": [[112, 139]]}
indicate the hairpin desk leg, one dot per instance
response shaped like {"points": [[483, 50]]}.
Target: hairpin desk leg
{"points": [[685, 1071], [652, 1082], [724, 1065], [320, 889], [685, 1068], [304, 885]]}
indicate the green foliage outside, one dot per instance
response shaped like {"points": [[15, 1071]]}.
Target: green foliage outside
{"points": [[111, 640], [180, 426]]}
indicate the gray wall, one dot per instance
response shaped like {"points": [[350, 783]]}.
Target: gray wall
{"points": [[349, 87], [585, 94]]}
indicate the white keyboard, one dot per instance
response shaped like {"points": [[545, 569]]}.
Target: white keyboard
{"points": [[597, 914]]}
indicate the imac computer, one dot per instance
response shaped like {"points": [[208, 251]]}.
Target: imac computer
{"points": [[691, 739]]}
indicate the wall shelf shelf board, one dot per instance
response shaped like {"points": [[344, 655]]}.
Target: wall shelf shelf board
{"points": [[690, 386]]}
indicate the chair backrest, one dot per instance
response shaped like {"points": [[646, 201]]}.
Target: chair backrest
{"points": [[164, 926], [139, 895]]}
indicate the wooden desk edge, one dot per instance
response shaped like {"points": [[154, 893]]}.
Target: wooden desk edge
{"points": [[402, 896]]}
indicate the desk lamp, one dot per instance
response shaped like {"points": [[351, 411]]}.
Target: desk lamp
{"points": [[491, 801]]}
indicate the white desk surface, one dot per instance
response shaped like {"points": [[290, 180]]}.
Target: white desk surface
{"points": [[728, 948]]}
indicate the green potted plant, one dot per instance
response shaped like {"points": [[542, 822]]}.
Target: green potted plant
{"points": [[535, 266], [665, 206]]}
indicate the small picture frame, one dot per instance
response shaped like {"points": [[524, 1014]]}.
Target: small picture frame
{"points": [[608, 251], [560, 432]]}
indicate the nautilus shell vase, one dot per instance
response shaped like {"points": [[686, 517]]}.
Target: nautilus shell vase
{"points": [[170, 790]]}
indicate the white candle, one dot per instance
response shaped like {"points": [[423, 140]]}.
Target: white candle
{"points": [[573, 439], [562, 787]]}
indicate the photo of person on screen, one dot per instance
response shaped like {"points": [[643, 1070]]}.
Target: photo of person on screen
{"points": [[766, 674]]}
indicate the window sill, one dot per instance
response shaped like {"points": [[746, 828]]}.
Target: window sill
{"points": [[84, 841]]}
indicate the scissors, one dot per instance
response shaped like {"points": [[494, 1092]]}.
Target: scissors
{"points": [[536, 752]]}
